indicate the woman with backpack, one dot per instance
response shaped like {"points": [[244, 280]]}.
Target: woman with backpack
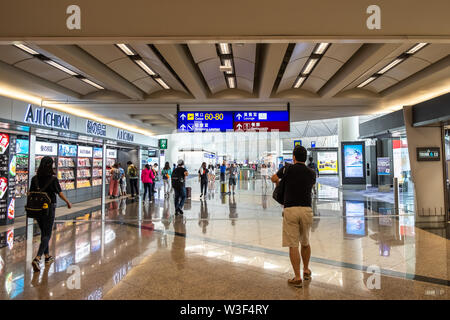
{"points": [[46, 182], [114, 182], [166, 174], [147, 177]]}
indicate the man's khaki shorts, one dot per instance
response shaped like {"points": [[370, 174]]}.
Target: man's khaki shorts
{"points": [[297, 223]]}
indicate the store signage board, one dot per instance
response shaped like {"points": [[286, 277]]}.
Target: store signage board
{"points": [[125, 135], [313, 144], [46, 148], [98, 152], [46, 117], [429, 154], [111, 153], [152, 153], [162, 144], [205, 121], [384, 166], [95, 128], [22, 146], [67, 150], [85, 152]]}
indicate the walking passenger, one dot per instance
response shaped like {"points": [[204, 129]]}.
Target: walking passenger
{"points": [[133, 175], [212, 177], [178, 184], [166, 173], [46, 181], [298, 181], [156, 174], [233, 177], [114, 182], [122, 182], [264, 175], [203, 177], [147, 177]]}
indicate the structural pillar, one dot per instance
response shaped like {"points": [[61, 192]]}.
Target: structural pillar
{"points": [[348, 130]]}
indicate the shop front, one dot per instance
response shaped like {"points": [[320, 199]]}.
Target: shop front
{"points": [[77, 146]]}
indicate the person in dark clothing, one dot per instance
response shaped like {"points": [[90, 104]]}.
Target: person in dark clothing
{"points": [[178, 184], [313, 166], [45, 177], [297, 213], [203, 176], [132, 172]]}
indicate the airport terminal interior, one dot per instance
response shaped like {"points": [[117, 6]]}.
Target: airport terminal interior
{"points": [[370, 104]]}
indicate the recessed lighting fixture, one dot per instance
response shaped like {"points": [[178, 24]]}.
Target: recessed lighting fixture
{"points": [[299, 82], [162, 83], [224, 48], [92, 83], [60, 67], [145, 67], [390, 65], [228, 64], [125, 49], [416, 48], [366, 82], [26, 49], [231, 82], [309, 65], [321, 48]]}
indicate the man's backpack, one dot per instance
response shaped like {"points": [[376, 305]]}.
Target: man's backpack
{"points": [[116, 175], [278, 192], [38, 202], [177, 179], [132, 171]]}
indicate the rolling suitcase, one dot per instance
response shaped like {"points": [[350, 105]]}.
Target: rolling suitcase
{"points": [[188, 192]]}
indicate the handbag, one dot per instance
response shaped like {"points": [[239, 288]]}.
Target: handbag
{"points": [[38, 202], [278, 192]]}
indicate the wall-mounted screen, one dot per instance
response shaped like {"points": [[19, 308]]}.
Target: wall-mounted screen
{"points": [[327, 162], [353, 161]]}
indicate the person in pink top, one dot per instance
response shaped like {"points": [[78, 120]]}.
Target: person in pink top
{"points": [[147, 177]]}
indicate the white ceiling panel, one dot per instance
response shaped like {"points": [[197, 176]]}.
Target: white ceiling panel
{"points": [[407, 68], [127, 69], [381, 84], [293, 68], [104, 53], [244, 68], [433, 52], [148, 85], [342, 51], [244, 84], [217, 84], [202, 52], [210, 69], [313, 83], [301, 50], [286, 84], [11, 54], [77, 85], [245, 51], [42, 69], [326, 68]]}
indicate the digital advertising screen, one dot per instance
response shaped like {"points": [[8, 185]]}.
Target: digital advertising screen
{"points": [[22, 146], [353, 160], [327, 162], [355, 222]]}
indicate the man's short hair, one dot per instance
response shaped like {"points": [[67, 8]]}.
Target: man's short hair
{"points": [[300, 153], [129, 162]]}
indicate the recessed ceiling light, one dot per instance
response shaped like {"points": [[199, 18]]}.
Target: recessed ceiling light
{"points": [[26, 49], [231, 82], [309, 65], [92, 83], [224, 48], [321, 48], [145, 67], [125, 49], [416, 48], [390, 65], [162, 83], [366, 82], [299, 82], [60, 67]]}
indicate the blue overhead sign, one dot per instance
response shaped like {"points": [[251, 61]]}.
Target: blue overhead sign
{"points": [[200, 121], [261, 116]]}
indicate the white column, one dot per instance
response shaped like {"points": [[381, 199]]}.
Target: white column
{"points": [[348, 130]]}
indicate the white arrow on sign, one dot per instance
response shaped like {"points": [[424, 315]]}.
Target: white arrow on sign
{"points": [[183, 116], [183, 127], [239, 126], [239, 116]]}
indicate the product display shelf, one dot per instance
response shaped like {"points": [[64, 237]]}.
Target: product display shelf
{"points": [[66, 173], [84, 172]]}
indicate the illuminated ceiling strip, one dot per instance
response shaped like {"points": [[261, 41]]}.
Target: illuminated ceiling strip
{"points": [[416, 48], [310, 65], [145, 67], [162, 83], [366, 82], [228, 64], [314, 58], [26, 49], [60, 67], [125, 49], [390, 66], [231, 82], [224, 48], [321, 48], [299, 82], [92, 83]]}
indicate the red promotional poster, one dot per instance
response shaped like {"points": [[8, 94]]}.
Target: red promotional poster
{"points": [[4, 142], [261, 126], [10, 238], [3, 186], [11, 209]]}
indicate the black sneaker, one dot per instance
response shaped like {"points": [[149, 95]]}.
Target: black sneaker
{"points": [[48, 260], [36, 265], [180, 211]]}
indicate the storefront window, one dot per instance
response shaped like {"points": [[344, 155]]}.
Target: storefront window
{"points": [[402, 171]]}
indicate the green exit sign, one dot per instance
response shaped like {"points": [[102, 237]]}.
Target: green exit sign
{"points": [[163, 144]]}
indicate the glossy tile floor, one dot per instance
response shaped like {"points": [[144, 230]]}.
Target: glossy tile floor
{"points": [[228, 247]]}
